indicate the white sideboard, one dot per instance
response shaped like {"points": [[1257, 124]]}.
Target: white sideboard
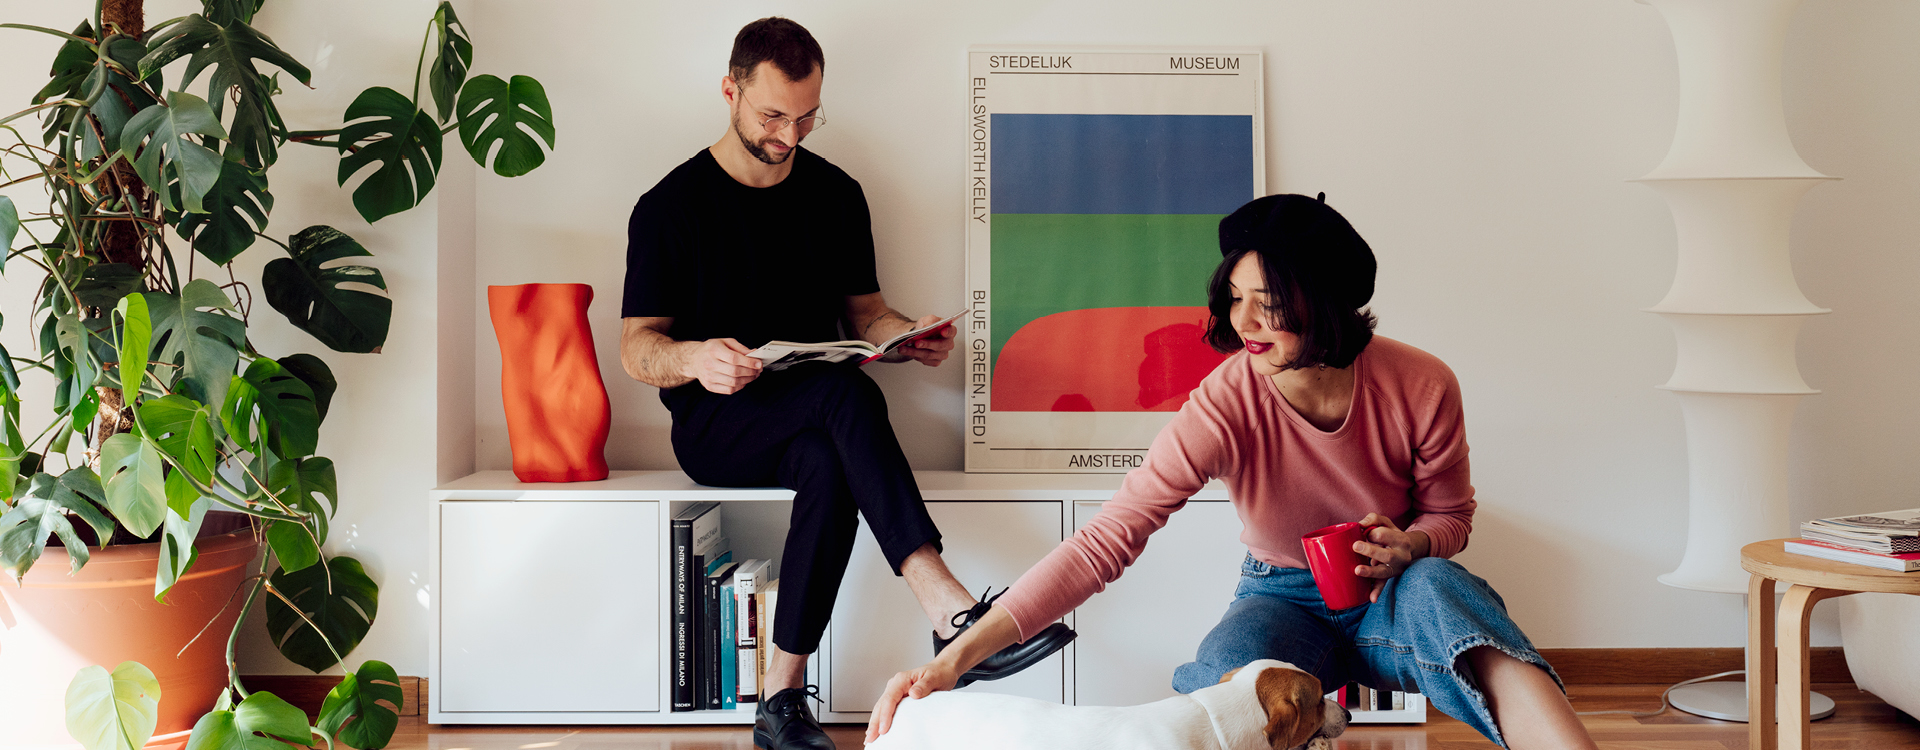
{"points": [[549, 601]]}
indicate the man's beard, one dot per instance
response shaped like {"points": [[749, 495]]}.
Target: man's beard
{"points": [[755, 149]]}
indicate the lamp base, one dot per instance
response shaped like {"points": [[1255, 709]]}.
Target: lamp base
{"points": [[1727, 701]]}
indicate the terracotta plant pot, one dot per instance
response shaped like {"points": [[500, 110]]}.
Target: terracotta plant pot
{"points": [[557, 409], [54, 624]]}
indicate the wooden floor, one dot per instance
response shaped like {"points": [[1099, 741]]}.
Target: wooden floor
{"points": [[1861, 722]]}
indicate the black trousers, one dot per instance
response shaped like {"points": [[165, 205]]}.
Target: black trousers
{"points": [[820, 430]]}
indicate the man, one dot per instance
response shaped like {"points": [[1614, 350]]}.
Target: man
{"points": [[757, 239]]}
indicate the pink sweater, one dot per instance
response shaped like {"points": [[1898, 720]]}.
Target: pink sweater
{"points": [[1402, 453]]}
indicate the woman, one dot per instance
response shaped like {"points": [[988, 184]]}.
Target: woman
{"points": [[1313, 422]]}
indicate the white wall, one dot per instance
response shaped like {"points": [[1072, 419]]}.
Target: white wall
{"points": [[1482, 148]]}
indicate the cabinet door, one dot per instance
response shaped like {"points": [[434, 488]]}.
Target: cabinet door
{"points": [[549, 606], [1151, 620], [879, 629]]}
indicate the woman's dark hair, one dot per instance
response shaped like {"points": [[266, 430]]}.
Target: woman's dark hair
{"points": [[1318, 273], [778, 40]]}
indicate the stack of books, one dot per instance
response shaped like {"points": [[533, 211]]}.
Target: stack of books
{"points": [[1888, 540], [722, 613]]}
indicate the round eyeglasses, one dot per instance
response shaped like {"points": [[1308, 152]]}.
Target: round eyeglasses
{"points": [[776, 124]]}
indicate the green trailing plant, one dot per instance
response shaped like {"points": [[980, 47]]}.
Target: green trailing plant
{"points": [[163, 408]]}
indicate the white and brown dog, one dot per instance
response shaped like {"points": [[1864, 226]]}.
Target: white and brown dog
{"points": [[1265, 705]]}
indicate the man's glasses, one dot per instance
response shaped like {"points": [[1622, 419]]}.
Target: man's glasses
{"points": [[804, 125]]}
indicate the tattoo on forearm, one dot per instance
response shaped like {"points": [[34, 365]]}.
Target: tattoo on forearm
{"points": [[884, 316]]}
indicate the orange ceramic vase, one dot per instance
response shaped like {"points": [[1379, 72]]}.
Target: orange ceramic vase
{"points": [[557, 410], [54, 624]]}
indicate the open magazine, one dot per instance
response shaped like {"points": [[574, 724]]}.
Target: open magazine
{"points": [[780, 355]]}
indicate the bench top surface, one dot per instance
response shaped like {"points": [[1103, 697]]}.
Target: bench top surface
{"points": [[674, 485]]}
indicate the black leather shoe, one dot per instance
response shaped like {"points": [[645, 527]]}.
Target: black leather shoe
{"points": [[783, 721], [1011, 659]]}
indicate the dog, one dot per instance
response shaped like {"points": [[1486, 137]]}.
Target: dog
{"points": [[1265, 705]]}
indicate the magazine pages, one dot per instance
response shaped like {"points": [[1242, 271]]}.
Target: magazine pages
{"points": [[780, 355]]}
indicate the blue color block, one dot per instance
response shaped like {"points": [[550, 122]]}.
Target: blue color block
{"points": [[1121, 164]]}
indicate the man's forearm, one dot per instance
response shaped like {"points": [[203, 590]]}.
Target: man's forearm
{"points": [[886, 325], [655, 358]]}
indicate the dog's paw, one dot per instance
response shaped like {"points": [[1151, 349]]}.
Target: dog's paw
{"points": [[1320, 743]]}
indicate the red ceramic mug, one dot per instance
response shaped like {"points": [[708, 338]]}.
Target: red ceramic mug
{"points": [[1331, 557]]}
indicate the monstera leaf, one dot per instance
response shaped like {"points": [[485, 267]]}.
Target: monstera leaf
{"points": [[293, 545], [315, 373], [171, 153], [231, 50], [301, 484], [385, 128], [42, 511], [236, 208], [133, 473], [177, 553], [449, 69], [344, 614], [70, 67], [9, 227], [286, 412], [262, 713], [224, 12], [115, 710], [184, 430], [354, 710], [494, 111], [312, 298], [106, 283], [204, 344], [119, 103], [135, 344]]}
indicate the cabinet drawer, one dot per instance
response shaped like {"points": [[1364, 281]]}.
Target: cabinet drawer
{"points": [[549, 606], [1135, 633], [879, 628]]}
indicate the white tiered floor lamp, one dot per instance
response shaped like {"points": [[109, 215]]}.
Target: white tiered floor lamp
{"points": [[1732, 178]]}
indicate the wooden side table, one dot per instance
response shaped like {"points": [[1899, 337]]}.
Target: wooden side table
{"points": [[1810, 580]]}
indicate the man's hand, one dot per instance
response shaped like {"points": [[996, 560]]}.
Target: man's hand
{"points": [[933, 349], [915, 683], [1391, 550], [722, 366]]}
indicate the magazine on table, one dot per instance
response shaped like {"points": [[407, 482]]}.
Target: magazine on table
{"points": [[1889, 532], [1904, 563], [780, 355]]}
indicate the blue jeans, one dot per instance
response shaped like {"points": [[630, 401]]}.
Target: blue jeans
{"points": [[1410, 640]]}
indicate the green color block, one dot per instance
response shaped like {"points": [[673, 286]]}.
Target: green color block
{"points": [[1050, 263]]}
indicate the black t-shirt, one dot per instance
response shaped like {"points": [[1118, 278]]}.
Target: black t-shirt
{"points": [[725, 260]]}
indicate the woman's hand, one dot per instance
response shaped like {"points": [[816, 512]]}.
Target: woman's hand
{"points": [[918, 683], [1391, 550]]}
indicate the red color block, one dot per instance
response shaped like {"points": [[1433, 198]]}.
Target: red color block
{"points": [[1111, 359]]}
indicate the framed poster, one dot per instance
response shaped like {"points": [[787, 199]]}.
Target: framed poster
{"points": [[1096, 180]]}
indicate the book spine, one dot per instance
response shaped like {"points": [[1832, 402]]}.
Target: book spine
{"points": [[746, 636], [766, 604], [682, 566], [729, 654], [697, 601], [710, 661]]}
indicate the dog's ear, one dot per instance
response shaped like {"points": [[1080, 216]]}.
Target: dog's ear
{"points": [[1292, 700], [1229, 675]]}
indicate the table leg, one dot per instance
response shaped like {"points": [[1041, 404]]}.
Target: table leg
{"points": [[1763, 728], [1796, 678]]}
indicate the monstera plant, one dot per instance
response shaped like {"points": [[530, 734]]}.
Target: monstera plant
{"points": [[163, 408]]}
